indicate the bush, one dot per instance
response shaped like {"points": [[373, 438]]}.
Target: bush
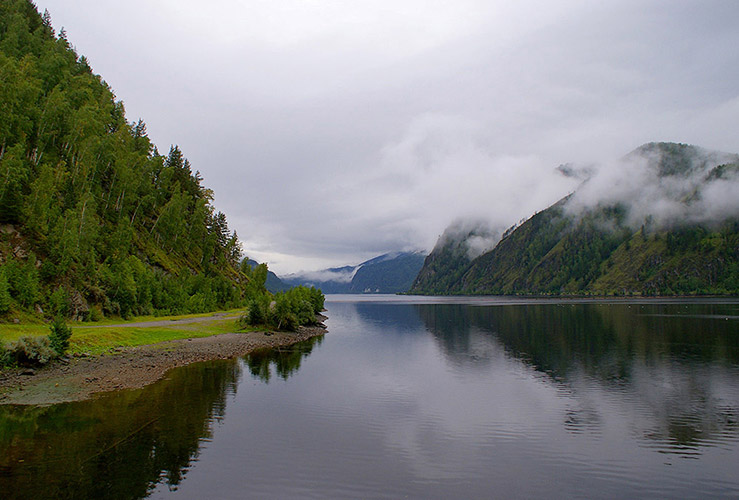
{"points": [[96, 314], [257, 311], [32, 351], [289, 310], [284, 316], [59, 336], [6, 357], [59, 302]]}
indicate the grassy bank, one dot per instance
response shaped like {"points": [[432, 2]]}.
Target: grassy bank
{"points": [[106, 335]]}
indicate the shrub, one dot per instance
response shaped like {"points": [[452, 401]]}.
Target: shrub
{"points": [[59, 336], [59, 302], [6, 357], [298, 306], [257, 309], [284, 315], [32, 351], [96, 314]]}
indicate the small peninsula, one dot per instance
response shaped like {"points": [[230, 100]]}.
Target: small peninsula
{"points": [[96, 226]]}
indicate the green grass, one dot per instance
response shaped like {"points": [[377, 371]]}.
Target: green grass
{"points": [[102, 337], [138, 319]]}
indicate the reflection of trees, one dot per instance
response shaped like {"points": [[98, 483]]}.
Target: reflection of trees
{"points": [[389, 316], [116, 446], [603, 339], [286, 360], [658, 354]]}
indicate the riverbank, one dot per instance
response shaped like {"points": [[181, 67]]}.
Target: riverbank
{"points": [[80, 377]]}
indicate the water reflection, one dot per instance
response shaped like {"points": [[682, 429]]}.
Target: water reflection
{"points": [[672, 366], [285, 360], [122, 445], [417, 400]]}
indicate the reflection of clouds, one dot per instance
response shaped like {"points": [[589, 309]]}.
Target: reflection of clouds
{"points": [[690, 408], [382, 410], [438, 434], [671, 404]]}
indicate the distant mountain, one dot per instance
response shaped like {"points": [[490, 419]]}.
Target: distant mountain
{"points": [[388, 273], [664, 220], [273, 284]]}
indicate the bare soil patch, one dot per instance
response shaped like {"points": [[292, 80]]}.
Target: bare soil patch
{"points": [[79, 378]]}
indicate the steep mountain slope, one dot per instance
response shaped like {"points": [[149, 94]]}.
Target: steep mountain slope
{"points": [[667, 223], [450, 258], [94, 219], [389, 273]]}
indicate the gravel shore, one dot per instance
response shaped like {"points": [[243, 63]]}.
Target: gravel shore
{"points": [[80, 378]]}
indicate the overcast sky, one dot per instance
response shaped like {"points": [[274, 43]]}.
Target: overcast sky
{"points": [[333, 131]]}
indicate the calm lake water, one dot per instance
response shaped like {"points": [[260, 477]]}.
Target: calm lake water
{"points": [[418, 398]]}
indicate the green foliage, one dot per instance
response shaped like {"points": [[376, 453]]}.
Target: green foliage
{"points": [[59, 302], [288, 310], [600, 251], [257, 310], [553, 254], [5, 299], [99, 219], [6, 356], [285, 313], [32, 351], [59, 336]]}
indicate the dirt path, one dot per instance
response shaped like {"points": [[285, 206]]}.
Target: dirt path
{"points": [[167, 322], [81, 377]]}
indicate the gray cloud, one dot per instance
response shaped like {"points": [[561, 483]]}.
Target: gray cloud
{"points": [[473, 237], [638, 183], [335, 131]]}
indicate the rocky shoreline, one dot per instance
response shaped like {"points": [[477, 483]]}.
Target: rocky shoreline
{"points": [[79, 378]]}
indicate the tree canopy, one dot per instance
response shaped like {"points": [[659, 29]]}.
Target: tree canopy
{"points": [[92, 218]]}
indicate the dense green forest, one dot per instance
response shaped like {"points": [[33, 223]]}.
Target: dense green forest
{"points": [[93, 219], [599, 251]]}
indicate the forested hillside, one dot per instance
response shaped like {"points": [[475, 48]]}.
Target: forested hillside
{"points": [[93, 219], [683, 240]]}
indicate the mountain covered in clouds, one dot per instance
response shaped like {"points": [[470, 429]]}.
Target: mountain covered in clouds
{"points": [[388, 273], [664, 220]]}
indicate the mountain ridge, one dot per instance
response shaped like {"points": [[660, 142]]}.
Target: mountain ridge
{"points": [[388, 273], [611, 247]]}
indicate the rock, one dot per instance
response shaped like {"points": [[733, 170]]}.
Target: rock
{"points": [[79, 307], [20, 252]]}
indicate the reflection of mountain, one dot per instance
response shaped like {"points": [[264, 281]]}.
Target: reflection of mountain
{"points": [[389, 317], [601, 339], [663, 358], [285, 360], [461, 341], [117, 446]]}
